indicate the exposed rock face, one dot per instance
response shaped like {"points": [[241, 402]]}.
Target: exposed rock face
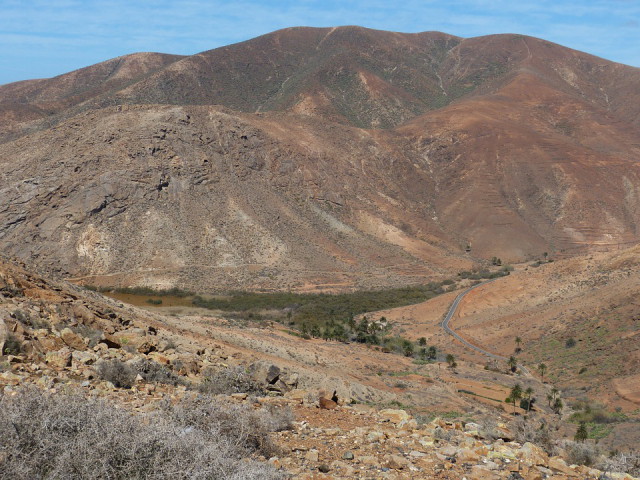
{"points": [[536, 154]]}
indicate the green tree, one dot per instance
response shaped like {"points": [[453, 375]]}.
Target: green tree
{"points": [[528, 399], [513, 363], [451, 360], [407, 348], [581, 434], [432, 352], [518, 343], [422, 341], [515, 395], [557, 406], [542, 368]]}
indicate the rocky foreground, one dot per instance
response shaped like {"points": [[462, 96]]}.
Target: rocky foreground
{"points": [[58, 338]]}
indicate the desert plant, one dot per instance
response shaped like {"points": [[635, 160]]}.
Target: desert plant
{"points": [[451, 360], [627, 462], [557, 406], [12, 345], [514, 396], [229, 380], [542, 368], [155, 373], [582, 433], [581, 453], [69, 436], [121, 374], [513, 363], [536, 431]]}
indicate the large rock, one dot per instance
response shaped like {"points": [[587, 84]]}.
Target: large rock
{"points": [[60, 359], [395, 416], [72, 340], [532, 455], [396, 462], [558, 464]]}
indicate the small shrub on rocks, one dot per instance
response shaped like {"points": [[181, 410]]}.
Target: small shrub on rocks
{"points": [[12, 346], [537, 432], [121, 374], [582, 453], [155, 373], [229, 380]]}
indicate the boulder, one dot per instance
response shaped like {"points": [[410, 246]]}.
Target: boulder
{"points": [[60, 359], [395, 416], [110, 341], [558, 464], [273, 374], [327, 404], [396, 462], [72, 340], [532, 455]]}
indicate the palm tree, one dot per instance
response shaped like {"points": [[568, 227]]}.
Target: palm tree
{"points": [[557, 406], [518, 343], [527, 395], [542, 368], [515, 395], [513, 363]]}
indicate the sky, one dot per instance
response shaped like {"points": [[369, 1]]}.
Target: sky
{"points": [[44, 38]]}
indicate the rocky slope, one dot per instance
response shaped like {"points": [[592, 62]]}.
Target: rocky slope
{"points": [[379, 158], [56, 336]]}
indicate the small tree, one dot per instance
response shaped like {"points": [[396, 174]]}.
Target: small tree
{"points": [[422, 341], [515, 395], [451, 360], [518, 343], [557, 406], [528, 399], [542, 368], [581, 434], [432, 352], [513, 363], [407, 348]]}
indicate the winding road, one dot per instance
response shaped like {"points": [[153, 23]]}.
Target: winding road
{"points": [[452, 310]]}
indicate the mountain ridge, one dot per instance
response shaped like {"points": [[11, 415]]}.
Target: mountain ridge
{"points": [[503, 146]]}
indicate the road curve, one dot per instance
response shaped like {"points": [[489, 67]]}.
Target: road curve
{"points": [[452, 310]]}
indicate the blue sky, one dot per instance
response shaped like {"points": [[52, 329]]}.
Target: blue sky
{"points": [[43, 38]]}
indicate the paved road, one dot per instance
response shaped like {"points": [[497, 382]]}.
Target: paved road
{"points": [[452, 310]]}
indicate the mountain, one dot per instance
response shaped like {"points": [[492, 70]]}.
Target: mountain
{"points": [[335, 157]]}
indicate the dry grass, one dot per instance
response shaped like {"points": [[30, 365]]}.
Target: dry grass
{"points": [[71, 437]]}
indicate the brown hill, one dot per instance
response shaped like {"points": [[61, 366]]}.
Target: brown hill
{"points": [[509, 144]]}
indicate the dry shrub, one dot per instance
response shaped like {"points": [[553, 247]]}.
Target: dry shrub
{"points": [[121, 374], [229, 380], [156, 373], [582, 453], [72, 437], [628, 462], [538, 432]]}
